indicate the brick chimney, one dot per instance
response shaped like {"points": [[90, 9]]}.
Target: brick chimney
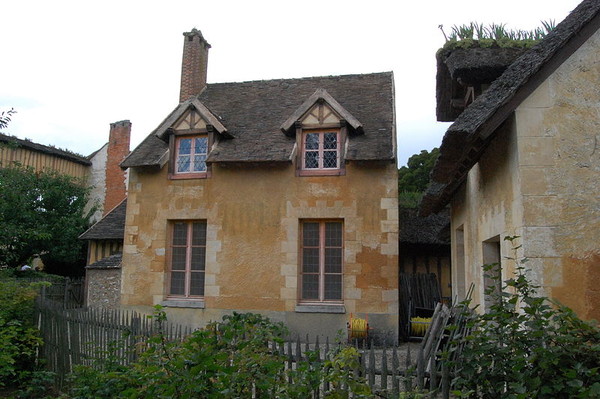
{"points": [[118, 149], [193, 65]]}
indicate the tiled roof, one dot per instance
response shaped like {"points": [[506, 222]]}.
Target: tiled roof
{"points": [[110, 227], [30, 145], [110, 262], [253, 113], [466, 139]]}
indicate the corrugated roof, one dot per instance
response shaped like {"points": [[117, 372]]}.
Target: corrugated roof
{"points": [[253, 113]]}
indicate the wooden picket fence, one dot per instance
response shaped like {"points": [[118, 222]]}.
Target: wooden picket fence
{"points": [[78, 336]]}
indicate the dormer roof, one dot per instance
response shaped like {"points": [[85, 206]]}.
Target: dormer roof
{"points": [[319, 96]]}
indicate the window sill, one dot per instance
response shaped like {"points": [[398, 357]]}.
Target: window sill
{"points": [[321, 309], [183, 176], [321, 172], [183, 303]]}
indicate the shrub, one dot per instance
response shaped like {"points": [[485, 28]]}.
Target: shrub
{"points": [[19, 340], [528, 346], [227, 359]]}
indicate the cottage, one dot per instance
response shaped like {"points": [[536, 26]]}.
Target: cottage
{"points": [[523, 159], [277, 197]]}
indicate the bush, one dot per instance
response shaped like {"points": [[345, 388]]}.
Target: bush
{"points": [[227, 359], [19, 339], [527, 346]]}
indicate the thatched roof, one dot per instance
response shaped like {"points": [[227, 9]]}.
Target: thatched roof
{"points": [[110, 227], [253, 114], [467, 138], [44, 149], [462, 67]]}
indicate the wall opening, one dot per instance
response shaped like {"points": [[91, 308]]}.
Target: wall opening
{"points": [[492, 276], [459, 264]]}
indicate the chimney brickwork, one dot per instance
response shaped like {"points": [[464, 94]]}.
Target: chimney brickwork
{"points": [[194, 64], [118, 149]]}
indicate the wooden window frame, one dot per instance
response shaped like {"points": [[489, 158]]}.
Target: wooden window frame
{"points": [[188, 261], [321, 301], [173, 150], [301, 134]]}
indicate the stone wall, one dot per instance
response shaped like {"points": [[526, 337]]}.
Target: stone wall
{"points": [[102, 287]]}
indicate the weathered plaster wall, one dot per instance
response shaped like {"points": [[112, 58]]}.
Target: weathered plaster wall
{"points": [[252, 260], [559, 152], [539, 180], [97, 180], [487, 206]]}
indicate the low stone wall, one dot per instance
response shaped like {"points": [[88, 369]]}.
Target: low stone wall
{"points": [[103, 286]]}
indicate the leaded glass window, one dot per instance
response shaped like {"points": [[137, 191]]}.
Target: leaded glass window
{"points": [[321, 150], [191, 154]]}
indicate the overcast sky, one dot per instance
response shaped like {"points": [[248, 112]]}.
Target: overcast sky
{"points": [[70, 68]]}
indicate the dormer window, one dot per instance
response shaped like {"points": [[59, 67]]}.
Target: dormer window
{"points": [[191, 153], [321, 126], [321, 150]]}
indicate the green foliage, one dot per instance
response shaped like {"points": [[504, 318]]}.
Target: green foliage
{"points": [[228, 359], [494, 35], [19, 340], [5, 117], [41, 213], [528, 347], [414, 177], [409, 199]]}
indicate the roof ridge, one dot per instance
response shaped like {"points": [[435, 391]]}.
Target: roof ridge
{"points": [[302, 78]]}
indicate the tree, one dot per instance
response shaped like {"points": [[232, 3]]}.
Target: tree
{"points": [[42, 213], [415, 176], [5, 117]]}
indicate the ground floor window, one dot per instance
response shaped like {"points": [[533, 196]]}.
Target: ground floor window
{"points": [[321, 261], [187, 259]]}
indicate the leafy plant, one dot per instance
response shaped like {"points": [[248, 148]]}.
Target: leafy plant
{"points": [[476, 34], [527, 346], [19, 339], [227, 359]]}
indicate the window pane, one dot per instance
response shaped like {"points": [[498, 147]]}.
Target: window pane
{"points": [[185, 147], [183, 163], [198, 258], [333, 260], [311, 160], [178, 260], [310, 286], [177, 283], [310, 234], [199, 233], [330, 141], [199, 163], [201, 145], [180, 234], [197, 283], [312, 141], [333, 287], [330, 159], [333, 234], [310, 260]]}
